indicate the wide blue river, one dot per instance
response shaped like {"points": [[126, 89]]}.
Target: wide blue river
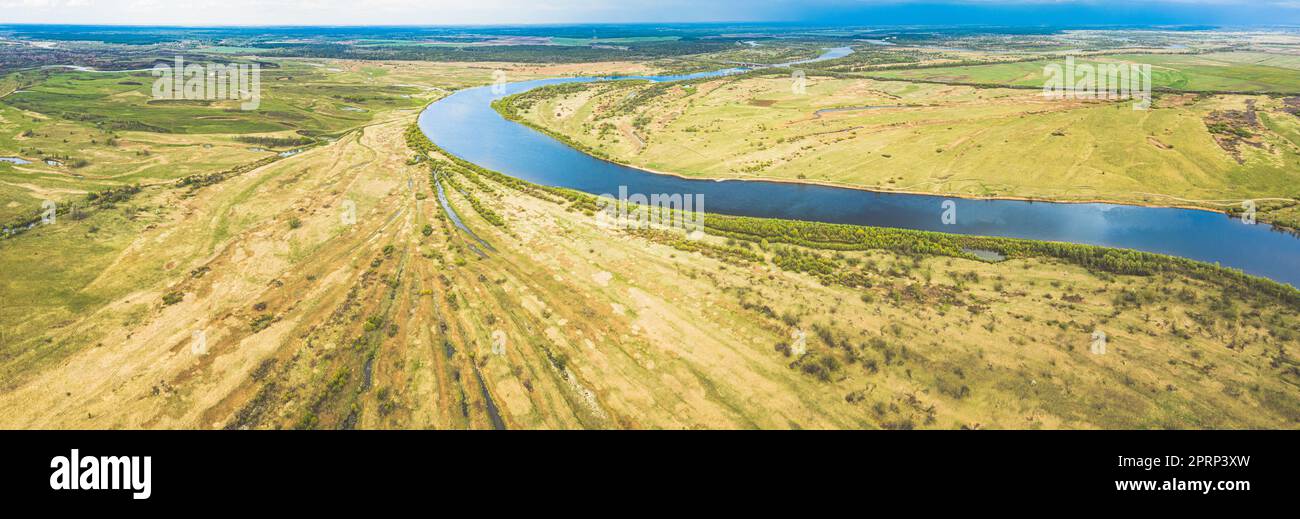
{"points": [[465, 125]]}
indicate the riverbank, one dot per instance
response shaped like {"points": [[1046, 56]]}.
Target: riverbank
{"points": [[880, 310], [830, 236], [466, 125], [512, 116]]}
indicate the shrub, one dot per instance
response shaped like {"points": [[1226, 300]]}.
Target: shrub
{"points": [[172, 298], [260, 322]]}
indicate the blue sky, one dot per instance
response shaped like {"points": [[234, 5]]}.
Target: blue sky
{"points": [[446, 12]]}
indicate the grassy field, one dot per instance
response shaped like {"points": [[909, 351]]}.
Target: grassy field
{"points": [[1230, 71], [93, 254], [105, 130], [244, 296], [396, 323], [295, 96], [918, 137]]}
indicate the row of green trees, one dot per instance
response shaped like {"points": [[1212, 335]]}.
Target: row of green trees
{"points": [[98, 200], [276, 142], [196, 181], [1116, 261], [416, 140], [443, 171], [624, 51]]}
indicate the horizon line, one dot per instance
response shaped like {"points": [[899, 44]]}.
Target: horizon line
{"points": [[697, 23]]}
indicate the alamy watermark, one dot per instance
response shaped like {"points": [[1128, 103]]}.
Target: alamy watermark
{"points": [[798, 83], [949, 214], [657, 211], [348, 214], [209, 82], [499, 81], [199, 344], [1105, 81], [76, 471], [798, 342], [1098, 345], [498, 342], [49, 212]]}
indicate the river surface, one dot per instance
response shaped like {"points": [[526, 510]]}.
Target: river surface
{"points": [[465, 125]]}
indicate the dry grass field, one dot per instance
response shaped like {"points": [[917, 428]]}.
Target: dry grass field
{"points": [[331, 289], [395, 322]]}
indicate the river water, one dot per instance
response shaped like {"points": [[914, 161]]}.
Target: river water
{"points": [[465, 125]]}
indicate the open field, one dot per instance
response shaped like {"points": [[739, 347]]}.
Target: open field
{"points": [[66, 269], [104, 130], [295, 266], [1208, 151], [1228, 71], [393, 322]]}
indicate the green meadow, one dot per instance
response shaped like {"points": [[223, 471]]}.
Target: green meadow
{"points": [[293, 97], [1236, 72], [105, 129], [922, 137]]}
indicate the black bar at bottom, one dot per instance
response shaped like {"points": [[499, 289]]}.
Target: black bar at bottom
{"points": [[313, 469]]}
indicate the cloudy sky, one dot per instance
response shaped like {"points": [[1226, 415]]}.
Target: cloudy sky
{"points": [[448, 12]]}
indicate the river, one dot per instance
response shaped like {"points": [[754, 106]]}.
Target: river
{"points": [[465, 125]]}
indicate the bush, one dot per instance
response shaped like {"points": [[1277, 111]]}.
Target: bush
{"points": [[172, 298], [783, 348], [260, 322]]}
